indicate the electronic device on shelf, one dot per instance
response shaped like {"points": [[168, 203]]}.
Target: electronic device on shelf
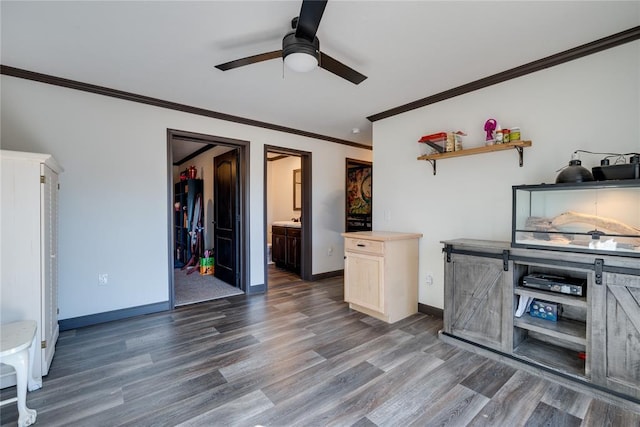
{"points": [[606, 171], [545, 310], [553, 283]]}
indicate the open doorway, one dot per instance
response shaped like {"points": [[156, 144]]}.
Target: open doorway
{"points": [[287, 215], [192, 206]]}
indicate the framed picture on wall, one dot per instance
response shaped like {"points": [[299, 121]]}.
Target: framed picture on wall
{"points": [[359, 194]]}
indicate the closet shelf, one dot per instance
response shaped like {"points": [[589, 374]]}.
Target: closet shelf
{"points": [[518, 145]]}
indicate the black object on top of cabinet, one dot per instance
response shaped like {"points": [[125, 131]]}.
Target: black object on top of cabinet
{"points": [[188, 213], [358, 192]]}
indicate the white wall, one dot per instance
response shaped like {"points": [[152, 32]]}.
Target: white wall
{"points": [[280, 191], [114, 191], [589, 104]]}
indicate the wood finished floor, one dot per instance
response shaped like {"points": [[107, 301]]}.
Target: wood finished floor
{"points": [[296, 356]]}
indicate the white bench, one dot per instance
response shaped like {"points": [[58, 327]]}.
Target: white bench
{"points": [[17, 347]]}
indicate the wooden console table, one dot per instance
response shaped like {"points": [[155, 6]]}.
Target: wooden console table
{"points": [[593, 347]]}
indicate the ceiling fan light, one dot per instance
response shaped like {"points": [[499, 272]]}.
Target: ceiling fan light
{"points": [[301, 62]]}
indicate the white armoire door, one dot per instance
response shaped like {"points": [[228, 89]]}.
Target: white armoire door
{"points": [[49, 245]]}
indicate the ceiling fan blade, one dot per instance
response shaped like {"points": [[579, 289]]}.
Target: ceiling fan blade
{"points": [[249, 60], [253, 38], [309, 19], [340, 70]]}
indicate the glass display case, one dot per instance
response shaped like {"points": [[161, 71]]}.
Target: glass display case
{"points": [[592, 217]]}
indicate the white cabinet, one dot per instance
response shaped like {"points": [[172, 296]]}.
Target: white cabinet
{"points": [[28, 262], [381, 273]]}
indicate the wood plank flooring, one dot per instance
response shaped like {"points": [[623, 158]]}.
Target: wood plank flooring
{"points": [[296, 356], [279, 276]]}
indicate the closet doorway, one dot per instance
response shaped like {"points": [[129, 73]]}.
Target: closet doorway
{"points": [[287, 215], [193, 236]]}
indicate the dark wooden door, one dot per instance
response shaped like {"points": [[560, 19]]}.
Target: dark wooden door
{"points": [[225, 223]]}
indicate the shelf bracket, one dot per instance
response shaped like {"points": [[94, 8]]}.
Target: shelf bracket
{"points": [[448, 249], [598, 269], [505, 260], [520, 154], [433, 164]]}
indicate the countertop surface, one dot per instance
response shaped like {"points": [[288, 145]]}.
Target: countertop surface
{"points": [[382, 235], [496, 244], [17, 336], [290, 224]]}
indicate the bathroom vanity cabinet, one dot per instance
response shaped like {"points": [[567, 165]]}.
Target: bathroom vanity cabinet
{"points": [[594, 345], [285, 247], [381, 273]]}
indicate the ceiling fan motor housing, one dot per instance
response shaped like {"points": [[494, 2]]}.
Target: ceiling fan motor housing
{"points": [[301, 48], [292, 44]]}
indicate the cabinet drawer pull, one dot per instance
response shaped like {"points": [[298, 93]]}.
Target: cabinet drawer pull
{"points": [[361, 245]]}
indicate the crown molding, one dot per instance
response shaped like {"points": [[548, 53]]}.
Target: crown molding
{"points": [[142, 99], [614, 40]]}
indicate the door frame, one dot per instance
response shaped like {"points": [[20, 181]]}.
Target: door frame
{"points": [[243, 202], [306, 258]]}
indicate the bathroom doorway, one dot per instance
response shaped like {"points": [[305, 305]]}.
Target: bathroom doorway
{"points": [[287, 215]]}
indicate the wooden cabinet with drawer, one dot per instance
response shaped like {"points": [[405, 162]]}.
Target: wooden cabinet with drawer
{"points": [[286, 244], [381, 273]]}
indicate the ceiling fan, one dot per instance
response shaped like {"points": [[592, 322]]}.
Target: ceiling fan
{"points": [[301, 48]]}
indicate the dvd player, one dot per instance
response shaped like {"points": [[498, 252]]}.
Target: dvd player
{"points": [[559, 284]]}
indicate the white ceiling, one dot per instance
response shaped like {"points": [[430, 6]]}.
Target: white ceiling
{"points": [[408, 50]]}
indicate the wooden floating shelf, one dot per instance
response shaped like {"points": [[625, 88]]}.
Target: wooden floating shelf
{"points": [[478, 150], [518, 145]]}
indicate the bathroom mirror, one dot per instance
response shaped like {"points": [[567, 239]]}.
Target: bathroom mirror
{"points": [[297, 189]]}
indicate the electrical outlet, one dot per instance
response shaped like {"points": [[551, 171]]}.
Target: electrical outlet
{"points": [[330, 251], [429, 280], [103, 279]]}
